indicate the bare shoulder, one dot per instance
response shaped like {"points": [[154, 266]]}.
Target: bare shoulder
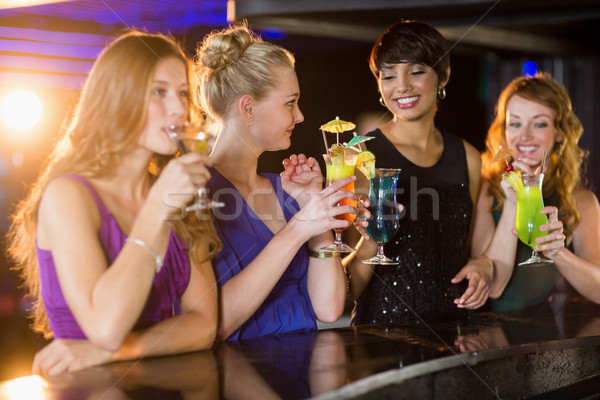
{"points": [[65, 192], [66, 202], [473, 155], [586, 200]]}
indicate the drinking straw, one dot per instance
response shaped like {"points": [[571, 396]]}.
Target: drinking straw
{"points": [[325, 140], [543, 161]]}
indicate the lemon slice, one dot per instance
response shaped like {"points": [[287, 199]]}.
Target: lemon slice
{"points": [[514, 179], [365, 162]]}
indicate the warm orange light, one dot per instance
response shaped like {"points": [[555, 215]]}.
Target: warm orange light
{"points": [[26, 3], [25, 388], [21, 109]]}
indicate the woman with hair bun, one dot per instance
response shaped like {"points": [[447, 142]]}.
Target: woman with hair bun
{"points": [[533, 115], [271, 281]]}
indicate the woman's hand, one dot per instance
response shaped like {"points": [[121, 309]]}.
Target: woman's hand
{"points": [[179, 182], [509, 192], [301, 178], [318, 214], [480, 273], [551, 243], [360, 222], [527, 167], [64, 355]]}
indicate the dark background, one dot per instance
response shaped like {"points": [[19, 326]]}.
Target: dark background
{"points": [[331, 40]]}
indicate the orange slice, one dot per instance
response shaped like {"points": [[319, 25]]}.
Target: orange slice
{"points": [[365, 163]]}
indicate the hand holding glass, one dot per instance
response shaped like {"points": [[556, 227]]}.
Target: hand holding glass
{"points": [[192, 137], [384, 220], [339, 168], [529, 216]]}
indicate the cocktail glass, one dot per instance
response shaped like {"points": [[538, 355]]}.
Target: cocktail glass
{"points": [[384, 220], [529, 216], [192, 137], [338, 168]]}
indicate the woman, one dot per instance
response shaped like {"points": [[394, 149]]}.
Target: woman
{"points": [[93, 239], [533, 115], [271, 279], [437, 186]]}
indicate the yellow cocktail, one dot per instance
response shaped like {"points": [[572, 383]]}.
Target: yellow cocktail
{"points": [[339, 167], [337, 172]]}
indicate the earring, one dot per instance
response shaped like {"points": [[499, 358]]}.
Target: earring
{"points": [[251, 121], [442, 93], [381, 101]]}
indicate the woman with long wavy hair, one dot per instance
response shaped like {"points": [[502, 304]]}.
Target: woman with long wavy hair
{"points": [[533, 115], [100, 241]]}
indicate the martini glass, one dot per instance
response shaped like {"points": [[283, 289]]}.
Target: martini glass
{"points": [[192, 137], [384, 220]]}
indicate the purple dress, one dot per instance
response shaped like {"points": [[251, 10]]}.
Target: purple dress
{"points": [[287, 308], [168, 286]]}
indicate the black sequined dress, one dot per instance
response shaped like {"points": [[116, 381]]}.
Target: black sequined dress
{"points": [[431, 244]]}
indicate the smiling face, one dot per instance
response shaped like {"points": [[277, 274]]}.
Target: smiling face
{"points": [[530, 128], [409, 90], [168, 105], [278, 112]]}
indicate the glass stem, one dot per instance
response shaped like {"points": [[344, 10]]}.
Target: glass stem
{"points": [[380, 251], [338, 237]]}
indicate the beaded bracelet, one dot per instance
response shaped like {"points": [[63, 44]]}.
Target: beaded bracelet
{"points": [[157, 260], [320, 253]]}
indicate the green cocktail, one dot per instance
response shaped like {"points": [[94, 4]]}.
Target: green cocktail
{"points": [[529, 215]]}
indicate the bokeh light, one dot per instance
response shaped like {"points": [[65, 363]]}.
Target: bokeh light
{"points": [[25, 388], [21, 109]]}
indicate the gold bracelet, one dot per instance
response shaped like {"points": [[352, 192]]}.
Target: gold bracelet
{"points": [[320, 253]]}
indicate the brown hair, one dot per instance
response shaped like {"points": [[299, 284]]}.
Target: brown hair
{"points": [[567, 157], [108, 120]]}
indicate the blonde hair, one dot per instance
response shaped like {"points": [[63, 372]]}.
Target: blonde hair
{"points": [[107, 122], [567, 157], [233, 62]]}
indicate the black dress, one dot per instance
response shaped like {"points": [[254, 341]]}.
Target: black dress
{"points": [[431, 244]]}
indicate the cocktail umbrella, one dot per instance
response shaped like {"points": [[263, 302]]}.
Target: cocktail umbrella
{"points": [[336, 126], [357, 140], [503, 153]]}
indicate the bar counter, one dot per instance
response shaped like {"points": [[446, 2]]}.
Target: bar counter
{"points": [[548, 351]]}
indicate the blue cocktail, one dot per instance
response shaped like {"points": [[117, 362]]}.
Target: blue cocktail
{"points": [[384, 220]]}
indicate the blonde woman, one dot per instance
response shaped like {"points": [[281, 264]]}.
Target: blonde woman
{"points": [[94, 240], [271, 278], [533, 115]]}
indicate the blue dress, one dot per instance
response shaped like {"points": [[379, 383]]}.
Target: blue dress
{"points": [[287, 308]]}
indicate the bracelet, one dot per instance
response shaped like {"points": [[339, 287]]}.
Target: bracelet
{"points": [[157, 260], [321, 253]]}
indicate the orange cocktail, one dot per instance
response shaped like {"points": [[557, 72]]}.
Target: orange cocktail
{"points": [[338, 169]]}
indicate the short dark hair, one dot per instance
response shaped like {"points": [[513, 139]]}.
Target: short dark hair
{"points": [[412, 42]]}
